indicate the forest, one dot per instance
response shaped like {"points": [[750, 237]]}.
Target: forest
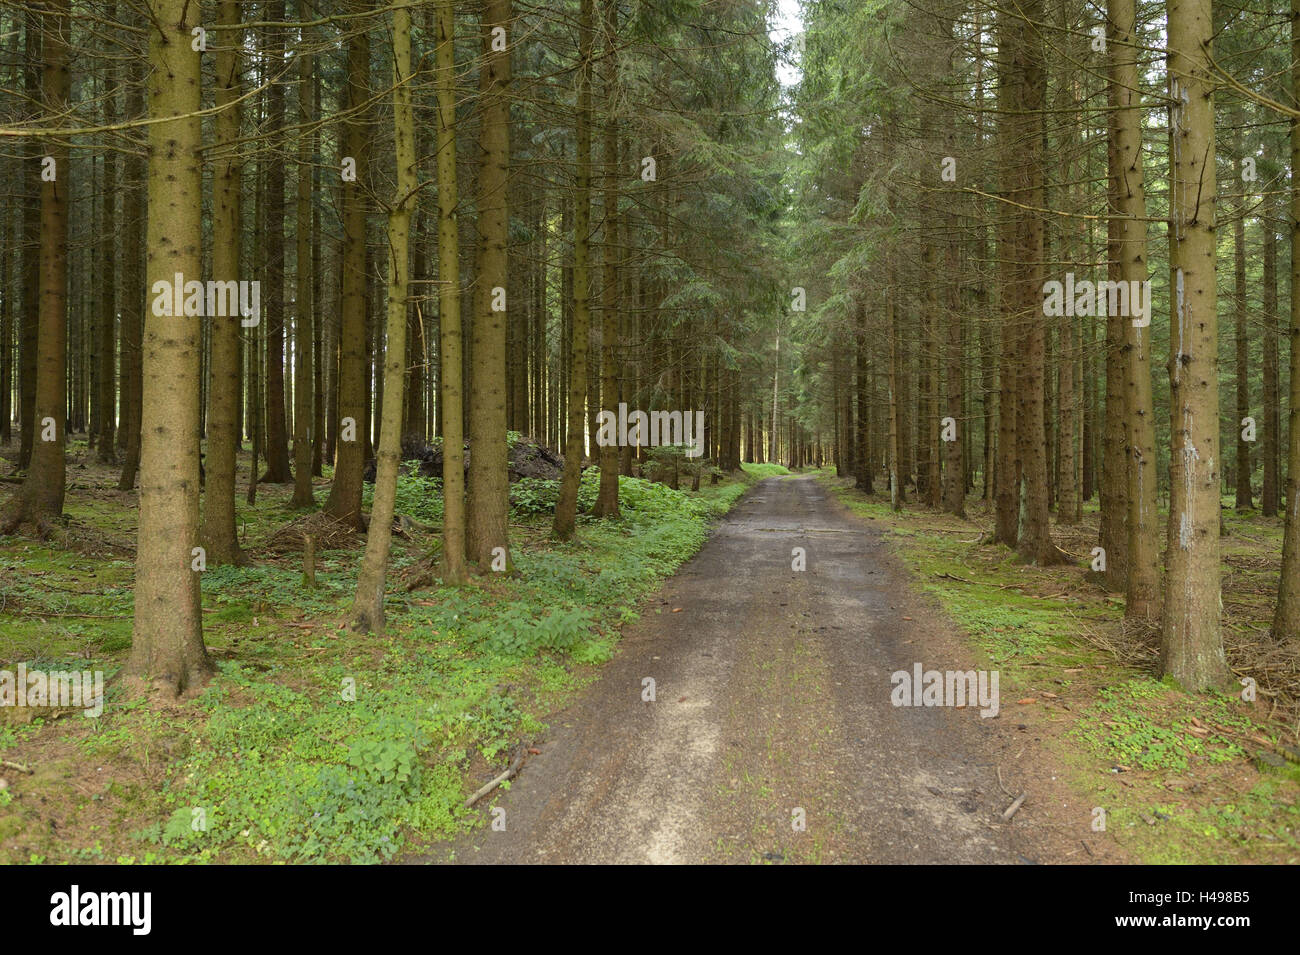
{"points": [[379, 381]]}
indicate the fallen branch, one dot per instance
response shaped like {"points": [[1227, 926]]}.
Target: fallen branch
{"points": [[986, 583], [16, 766], [1014, 807], [80, 616], [510, 773]]}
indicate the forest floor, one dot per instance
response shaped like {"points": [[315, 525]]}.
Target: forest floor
{"points": [[772, 738], [1181, 778], [272, 762], [772, 694]]}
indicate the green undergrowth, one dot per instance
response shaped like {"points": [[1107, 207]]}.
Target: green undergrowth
{"points": [[987, 590], [1178, 775], [315, 744]]}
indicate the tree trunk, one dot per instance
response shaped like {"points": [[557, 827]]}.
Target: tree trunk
{"points": [[40, 499], [29, 330], [344, 501], [167, 652], [488, 505], [954, 470], [1006, 484], [304, 305], [107, 374], [1192, 646], [1272, 456], [276, 446], [896, 477], [367, 612], [1244, 498], [133, 211], [1128, 199], [450, 370], [864, 466], [607, 498], [1286, 618], [219, 535], [566, 509]]}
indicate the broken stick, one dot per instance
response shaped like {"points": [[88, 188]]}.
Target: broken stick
{"points": [[510, 773], [1011, 810]]}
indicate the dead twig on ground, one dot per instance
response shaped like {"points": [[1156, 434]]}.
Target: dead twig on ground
{"points": [[510, 773]]}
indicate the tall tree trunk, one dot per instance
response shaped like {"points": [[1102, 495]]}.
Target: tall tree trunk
{"points": [[40, 499], [413, 417], [954, 471], [1067, 503], [167, 652], [1113, 518], [107, 287], [29, 330], [489, 480], [1269, 492], [1242, 350], [1035, 543], [133, 211], [607, 498], [927, 383], [450, 370], [1128, 200], [1286, 618], [896, 476], [865, 467], [9, 286], [304, 305], [344, 501], [566, 509], [277, 435], [367, 612], [1006, 484], [219, 535], [1192, 646]]}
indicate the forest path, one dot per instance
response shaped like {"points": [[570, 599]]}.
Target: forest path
{"points": [[772, 694]]}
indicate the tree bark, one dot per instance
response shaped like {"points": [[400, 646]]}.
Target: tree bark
{"points": [[133, 211], [106, 452], [29, 330], [167, 652], [607, 498], [276, 447], [367, 612], [1128, 226], [40, 499], [304, 305], [1271, 451], [1286, 617], [450, 370], [566, 509], [219, 535], [489, 480], [1244, 468], [1192, 646], [344, 501]]}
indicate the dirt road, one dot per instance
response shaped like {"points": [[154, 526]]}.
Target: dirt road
{"points": [[772, 706]]}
